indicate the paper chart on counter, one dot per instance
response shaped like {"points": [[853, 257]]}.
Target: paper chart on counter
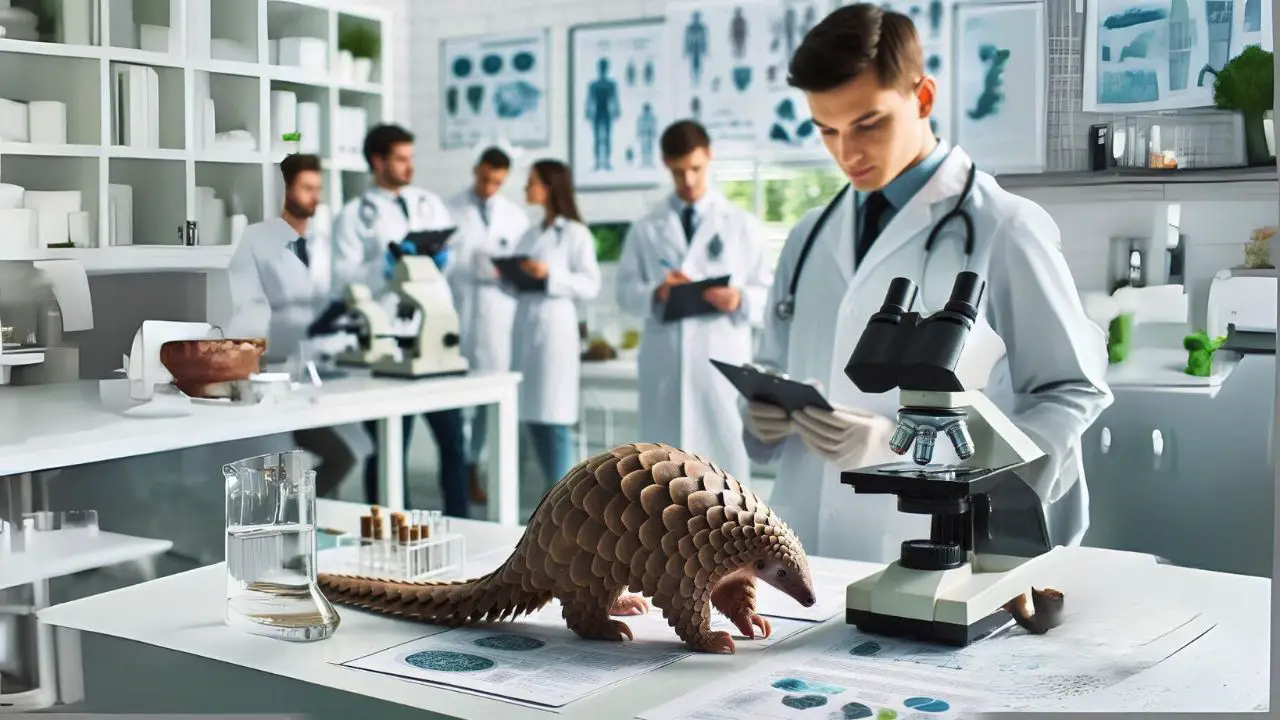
{"points": [[538, 661]]}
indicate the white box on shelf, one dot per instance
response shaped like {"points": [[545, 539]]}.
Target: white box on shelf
{"points": [[155, 38], [304, 52], [309, 127], [75, 22], [13, 121], [284, 116], [346, 66], [230, 50], [19, 230], [353, 123], [120, 214], [11, 196], [47, 120], [80, 229], [53, 210], [136, 106]]}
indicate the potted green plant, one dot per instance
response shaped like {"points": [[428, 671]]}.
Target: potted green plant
{"points": [[364, 45], [1246, 84]]}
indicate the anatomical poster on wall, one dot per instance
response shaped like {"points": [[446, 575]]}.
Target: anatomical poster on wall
{"points": [[1000, 86], [716, 51], [495, 86], [616, 107], [784, 123], [1141, 55]]}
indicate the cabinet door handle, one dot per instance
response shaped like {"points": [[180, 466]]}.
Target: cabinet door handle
{"points": [[1157, 448], [1105, 440]]}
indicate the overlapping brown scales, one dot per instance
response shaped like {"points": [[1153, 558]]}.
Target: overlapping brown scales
{"points": [[644, 517]]}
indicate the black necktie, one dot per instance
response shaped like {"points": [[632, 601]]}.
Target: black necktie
{"points": [[686, 222], [874, 208], [404, 206], [300, 249]]}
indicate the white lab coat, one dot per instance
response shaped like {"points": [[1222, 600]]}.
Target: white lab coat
{"points": [[545, 344], [272, 294], [1051, 382], [684, 401], [485, 311]]}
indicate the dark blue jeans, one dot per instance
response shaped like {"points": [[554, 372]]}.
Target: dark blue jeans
{"points": [[553, 447], [447, 427]]}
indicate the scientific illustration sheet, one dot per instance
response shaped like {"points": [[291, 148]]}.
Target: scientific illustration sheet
{"points": [[538, 661], [1141, 55], [616, 112], [784, 122], [1000, 85], [715, 50], [495, 86]]}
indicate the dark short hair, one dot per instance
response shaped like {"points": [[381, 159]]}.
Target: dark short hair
{"points": [[558, 178], [683, 137], [852, 39], [381, 139], [293, 165], [495, 158]]}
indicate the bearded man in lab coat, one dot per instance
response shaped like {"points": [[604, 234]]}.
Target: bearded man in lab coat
{"points": [[694, 234], [385, 213], [862, 72], [489, 226], [274, 295]]}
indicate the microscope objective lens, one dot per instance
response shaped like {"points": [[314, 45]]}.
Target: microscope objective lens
{"points": [[903, 435], [925, 436], [960, 438]]}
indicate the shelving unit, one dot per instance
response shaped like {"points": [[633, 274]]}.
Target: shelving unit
{"points": [[1124, 185], [179, 175]]}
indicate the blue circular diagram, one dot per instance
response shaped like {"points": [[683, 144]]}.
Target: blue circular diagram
{"points": [[510, 642], [866, 649], [790, 684], [523, 61], [855, 711], [491, 64], [927, 704], [462, 67], [804, 702], [446, 661]]}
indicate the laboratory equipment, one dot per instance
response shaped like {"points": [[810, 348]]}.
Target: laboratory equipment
{"points": [[372, 329], [435, 349], [271, 549], [988, 540], [412, 545], [1242, 308]]}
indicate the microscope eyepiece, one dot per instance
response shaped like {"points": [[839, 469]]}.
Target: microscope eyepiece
{"points": [[900, 298], [966, 294]]}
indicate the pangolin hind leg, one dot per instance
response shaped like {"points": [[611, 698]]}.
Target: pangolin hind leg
{"points": [[735, 598], [628, 605], [587, 615]]}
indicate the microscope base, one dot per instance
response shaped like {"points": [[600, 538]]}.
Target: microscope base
{"points": [[951, 607]]}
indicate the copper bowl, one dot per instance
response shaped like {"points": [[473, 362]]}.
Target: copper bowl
{"points": [[197, 364]]}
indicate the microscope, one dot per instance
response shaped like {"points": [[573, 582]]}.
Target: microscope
{"points": [[372, 329], [435, 349], [988, 540]]}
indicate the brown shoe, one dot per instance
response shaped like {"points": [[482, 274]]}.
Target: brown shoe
{"points": [[478, 495]]}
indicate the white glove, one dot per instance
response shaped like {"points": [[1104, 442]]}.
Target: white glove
{"points": [[844, 437], [769, 423]]}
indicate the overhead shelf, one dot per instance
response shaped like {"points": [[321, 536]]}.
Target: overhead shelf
{"points": [[56, 557], [139, 258], [1252, 183]]}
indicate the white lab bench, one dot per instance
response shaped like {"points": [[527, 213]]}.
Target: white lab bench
{"points": [[162, 647], [45, 427]]}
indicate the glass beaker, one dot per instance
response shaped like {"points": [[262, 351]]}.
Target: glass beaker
{"points": [[271, 549]]}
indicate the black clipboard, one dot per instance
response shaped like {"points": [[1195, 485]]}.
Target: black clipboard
{"points": [[685, 299], [429, 242], [510, 270], [790, 395]]}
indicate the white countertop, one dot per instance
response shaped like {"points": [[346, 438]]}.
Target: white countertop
{"points": [[63, 424], [1228, 669], [611, 370]]}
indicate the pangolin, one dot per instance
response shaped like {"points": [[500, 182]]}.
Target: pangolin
{"points": [[647, 518]]}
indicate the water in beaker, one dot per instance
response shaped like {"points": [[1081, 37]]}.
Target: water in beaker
{"points": [[271, 549]]}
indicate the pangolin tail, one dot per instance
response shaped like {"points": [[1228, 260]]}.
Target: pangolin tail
{"points": [[496, 596]]}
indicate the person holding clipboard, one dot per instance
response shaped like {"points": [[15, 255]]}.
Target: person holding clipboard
{"points": [[554, 266], [694, 268]]}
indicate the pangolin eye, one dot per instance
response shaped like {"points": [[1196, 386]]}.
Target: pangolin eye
{"points": [[782, 573], [760, 565]]}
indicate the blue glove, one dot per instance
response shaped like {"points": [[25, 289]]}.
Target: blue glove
{"points": [[441, 258]]}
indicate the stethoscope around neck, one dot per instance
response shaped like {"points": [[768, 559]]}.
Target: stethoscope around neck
{"points": [[786, 307]]}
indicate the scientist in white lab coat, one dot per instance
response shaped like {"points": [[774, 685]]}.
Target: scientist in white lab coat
{"points": [[862, 71], [489, 226], [694, 234], [385, 213], [545, 345], [274, 295]]}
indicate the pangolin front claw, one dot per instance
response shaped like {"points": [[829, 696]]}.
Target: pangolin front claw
{"points": [[628, 605], [719, 642], [748, 623]]}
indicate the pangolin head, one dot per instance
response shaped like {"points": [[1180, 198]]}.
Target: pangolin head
{"points": [[780, 561]]}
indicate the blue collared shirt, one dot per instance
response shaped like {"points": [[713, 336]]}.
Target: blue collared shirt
{"points": [[904, 187]]}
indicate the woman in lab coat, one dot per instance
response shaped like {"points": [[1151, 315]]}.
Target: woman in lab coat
{"points": [[1045, 361], [545, 344]]}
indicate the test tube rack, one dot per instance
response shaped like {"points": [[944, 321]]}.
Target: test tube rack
{"points": [[413, 545]]}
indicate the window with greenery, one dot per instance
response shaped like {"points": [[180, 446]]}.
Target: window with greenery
{"points": [[779, 195]]}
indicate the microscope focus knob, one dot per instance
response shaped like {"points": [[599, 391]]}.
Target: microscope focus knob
{"points": [[451, 340], [931, 555]]}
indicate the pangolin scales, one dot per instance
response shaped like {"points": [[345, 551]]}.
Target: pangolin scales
{"points": [[647, 518]]}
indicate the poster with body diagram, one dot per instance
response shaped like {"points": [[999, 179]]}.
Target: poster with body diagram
{"points": [[784, 123], [716, 51], [495, 86], [616, 113]]}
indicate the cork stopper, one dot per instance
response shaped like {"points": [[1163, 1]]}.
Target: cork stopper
{"points": [[378, 528], [366, 527], [375, 511], [397, 519]]}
